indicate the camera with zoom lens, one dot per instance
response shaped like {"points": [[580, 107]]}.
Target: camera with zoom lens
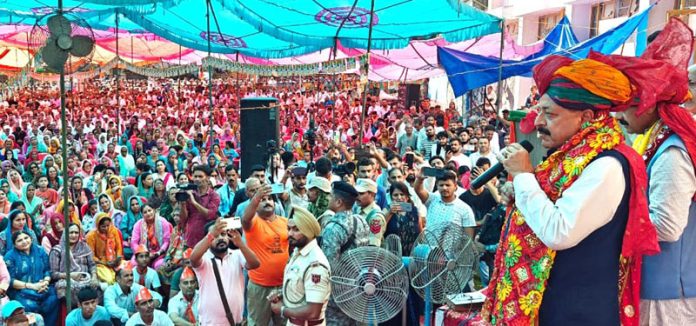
{"points": [[182, 195], [344, 169], [271, 146]]}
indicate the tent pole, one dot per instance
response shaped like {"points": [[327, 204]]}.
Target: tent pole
{"points": [[367, 70], [499, 98], [31, 81], [239, 101], [335, 91], [64, 153], [71, 77], [178, 80], [118, 82], [210, 80], [467, 108]]}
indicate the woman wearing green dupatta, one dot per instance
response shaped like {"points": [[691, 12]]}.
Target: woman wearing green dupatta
{"points": [[33, 205]]}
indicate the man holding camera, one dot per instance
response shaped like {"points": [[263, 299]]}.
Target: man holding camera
{"points": [[201, 206]]}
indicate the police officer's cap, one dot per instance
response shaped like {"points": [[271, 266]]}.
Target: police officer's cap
{"points": [[345, 188]]}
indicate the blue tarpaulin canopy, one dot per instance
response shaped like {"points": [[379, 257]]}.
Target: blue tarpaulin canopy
{"points": [[467, 71], [271, 29], [394, 22], [186, 25]]}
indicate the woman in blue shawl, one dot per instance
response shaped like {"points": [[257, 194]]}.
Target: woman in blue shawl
{"points": [[30, 276], [38, 143], [213, 162], [174, 163], [16, 221], [33, 205], [47, 162], [11, 196], [191, 148], [133, 214], [146, 184], [31, 172]]}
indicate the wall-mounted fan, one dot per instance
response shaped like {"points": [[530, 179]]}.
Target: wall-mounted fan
{"points": [[63, 43]]}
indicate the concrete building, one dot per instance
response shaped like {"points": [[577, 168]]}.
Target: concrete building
{"points": [[530, 20]]}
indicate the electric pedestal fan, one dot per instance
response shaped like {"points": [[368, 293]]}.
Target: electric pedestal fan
{"points": [[442, 263], [369, 284], [392, 243], [65, 44]]}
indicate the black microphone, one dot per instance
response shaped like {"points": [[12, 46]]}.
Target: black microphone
{"points": [[496, 169]]}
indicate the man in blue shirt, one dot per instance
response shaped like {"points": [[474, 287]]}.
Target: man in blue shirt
{"points": [[119, 298], [89, 311], [228, 190]]}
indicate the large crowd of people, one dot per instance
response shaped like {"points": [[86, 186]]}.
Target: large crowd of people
{"points": [[161, 230], [147, 194]]}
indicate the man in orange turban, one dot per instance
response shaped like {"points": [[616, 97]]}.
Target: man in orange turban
{"points": [[572, 249]]}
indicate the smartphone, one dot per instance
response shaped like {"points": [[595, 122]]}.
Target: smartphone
{"points": [[277, 188], [432, 172], [407, 207], [233, 223], [409, 160]]}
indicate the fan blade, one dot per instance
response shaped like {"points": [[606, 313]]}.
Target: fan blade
{"points": [[53, 56], [81, 46], [58, 25]]}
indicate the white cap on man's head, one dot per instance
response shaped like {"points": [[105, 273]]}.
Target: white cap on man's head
{"points": [[366, 185]]}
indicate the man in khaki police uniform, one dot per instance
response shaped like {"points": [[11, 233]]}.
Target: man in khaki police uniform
{"points": [[306, 285], [370, 211]]}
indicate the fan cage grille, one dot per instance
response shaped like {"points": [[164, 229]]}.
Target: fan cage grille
{"points": [[40, 35], [369, 265]]}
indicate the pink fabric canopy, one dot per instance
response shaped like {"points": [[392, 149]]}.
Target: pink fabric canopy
{"points": [[417, 61]]}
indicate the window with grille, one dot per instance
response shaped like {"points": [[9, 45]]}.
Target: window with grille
{"points": [[594, 19], [625, 8], [610, 10], [479, 4], [547, 23], [684, 4]]}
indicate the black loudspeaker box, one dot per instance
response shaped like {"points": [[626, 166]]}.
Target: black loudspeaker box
{"points": [[260, 127]]}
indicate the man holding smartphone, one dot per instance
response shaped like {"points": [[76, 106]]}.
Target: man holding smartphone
{"points": [[444, 207], [267, 236], [485, 198]]}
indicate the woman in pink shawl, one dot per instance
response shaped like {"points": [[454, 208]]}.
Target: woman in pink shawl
{"points": [[153, 232], [86, 169], [106, 161]]}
